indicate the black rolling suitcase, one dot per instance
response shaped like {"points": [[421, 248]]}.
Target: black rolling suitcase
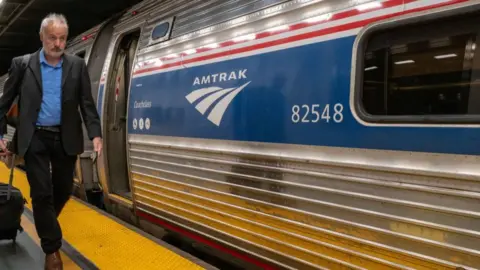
{"points": [[11, 208]]}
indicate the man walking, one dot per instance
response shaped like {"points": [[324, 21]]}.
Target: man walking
{"points": [[51, 88]]}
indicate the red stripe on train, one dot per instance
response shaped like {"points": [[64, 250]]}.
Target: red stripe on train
{"points": [[298, 26], [318, 33], [204, 240]]}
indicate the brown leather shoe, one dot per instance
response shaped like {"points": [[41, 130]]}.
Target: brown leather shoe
{"points": [[53, 261]]}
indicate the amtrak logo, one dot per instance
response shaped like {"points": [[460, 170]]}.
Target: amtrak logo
{"points": [[212, 94]]}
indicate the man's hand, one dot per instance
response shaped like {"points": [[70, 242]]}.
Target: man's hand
{"points": [[97, 145], [3, 147]]}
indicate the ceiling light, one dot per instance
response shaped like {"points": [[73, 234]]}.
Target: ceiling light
{"points": [[443, 56], [404, 62]]}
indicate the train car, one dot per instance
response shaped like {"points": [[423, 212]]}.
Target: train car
{"points": [[301, 134], [10, 130]]}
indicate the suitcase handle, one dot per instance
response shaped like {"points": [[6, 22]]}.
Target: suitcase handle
{"points": [[10, 181]]}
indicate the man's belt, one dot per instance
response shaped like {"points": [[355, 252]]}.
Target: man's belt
{"points": [[49, 128]]}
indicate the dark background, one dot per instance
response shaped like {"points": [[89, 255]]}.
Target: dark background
{"points": [[20, 21]]}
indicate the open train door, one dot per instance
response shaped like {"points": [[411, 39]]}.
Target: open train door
{"points": [[86, 173], [114, 117], [117, 114], [114, 165]]}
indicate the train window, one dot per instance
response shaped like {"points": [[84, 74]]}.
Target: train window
{"points": [[81, 54], [160, 30], [423, 72]]}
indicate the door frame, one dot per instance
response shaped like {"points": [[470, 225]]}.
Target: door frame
{"points": [[102, 169]]}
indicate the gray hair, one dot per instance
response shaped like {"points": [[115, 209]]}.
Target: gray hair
{"points": [[53, 18]]}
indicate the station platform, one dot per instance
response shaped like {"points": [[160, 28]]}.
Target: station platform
{"points": [[92, 240]]}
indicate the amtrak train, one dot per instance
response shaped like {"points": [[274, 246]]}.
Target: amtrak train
{"points": [[302, 134]]}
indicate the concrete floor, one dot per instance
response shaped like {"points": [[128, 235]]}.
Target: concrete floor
{"points": [[26, 254]]}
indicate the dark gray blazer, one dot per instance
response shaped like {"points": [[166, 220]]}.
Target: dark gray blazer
{"points": [[76, 93]]}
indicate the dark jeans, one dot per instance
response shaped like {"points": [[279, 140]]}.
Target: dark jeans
{"points": [[49, 191]]}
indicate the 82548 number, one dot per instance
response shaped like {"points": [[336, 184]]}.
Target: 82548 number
{"points": [[311, 113]]}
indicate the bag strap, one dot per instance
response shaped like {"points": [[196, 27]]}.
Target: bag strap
{"points": [[25, 60], [10, 181]]}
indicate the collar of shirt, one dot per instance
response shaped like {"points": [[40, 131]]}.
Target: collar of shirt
{"points": [[43, 60]]}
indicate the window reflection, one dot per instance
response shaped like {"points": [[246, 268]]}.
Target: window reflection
{"points": [[429, 70]]}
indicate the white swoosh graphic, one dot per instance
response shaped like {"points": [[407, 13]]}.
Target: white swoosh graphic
{"points": [[216, 114], [208, 101], [201, 92]]}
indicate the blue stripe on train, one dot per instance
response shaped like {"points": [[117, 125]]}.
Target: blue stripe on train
{"points": [[100, 99], [307, 75]]}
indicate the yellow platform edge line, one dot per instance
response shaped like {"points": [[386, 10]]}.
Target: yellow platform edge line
{"points": [[103, 241]]}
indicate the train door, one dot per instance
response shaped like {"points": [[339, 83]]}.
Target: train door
{"points": [[93, 191], [78, 183], [116, 107]]}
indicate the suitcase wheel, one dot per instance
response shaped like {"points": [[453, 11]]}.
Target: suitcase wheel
{"points": [[14, 242]]}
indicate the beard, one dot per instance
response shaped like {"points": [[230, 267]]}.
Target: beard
{"points": [[55, 52]]}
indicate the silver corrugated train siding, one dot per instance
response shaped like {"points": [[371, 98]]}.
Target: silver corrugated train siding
{"points": [[303, 207], [310, 209], [3, 78], [197, 14], [83, 41]]}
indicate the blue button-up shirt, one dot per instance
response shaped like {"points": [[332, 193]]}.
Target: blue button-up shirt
{"points": [[50, 110]]}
